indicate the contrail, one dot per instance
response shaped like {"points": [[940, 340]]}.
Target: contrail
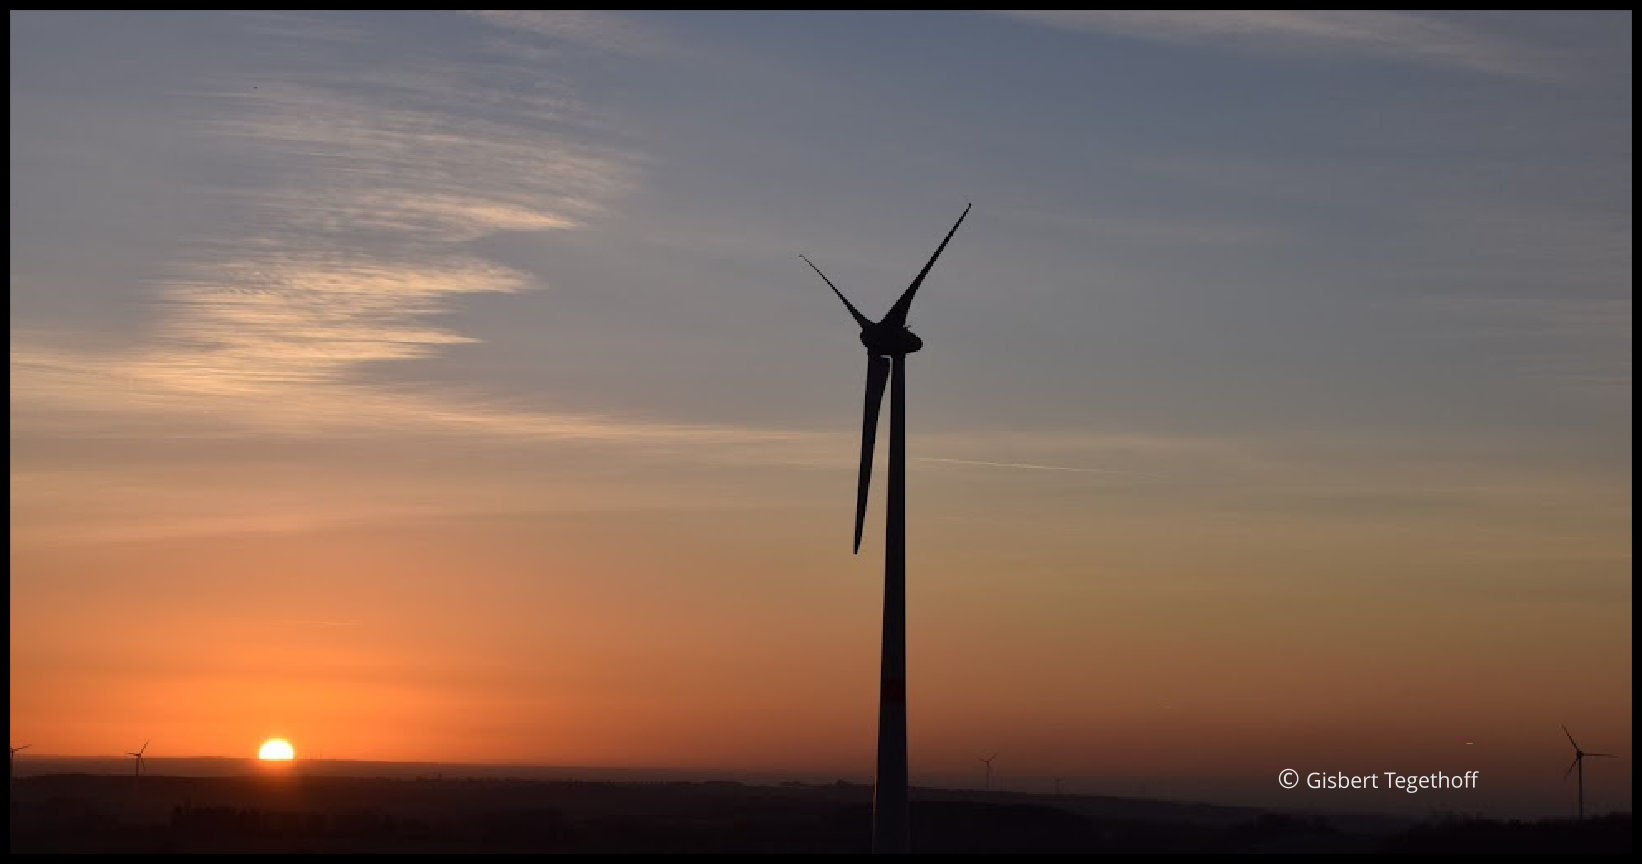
{"points": [[1027, 465]]}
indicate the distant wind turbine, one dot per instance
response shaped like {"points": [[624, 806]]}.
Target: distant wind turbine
{"points": [[1579, 762], [988, 761], [139, 754], [888, 342], [11, 765]]}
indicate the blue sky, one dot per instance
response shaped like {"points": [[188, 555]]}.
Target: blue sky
{"points": [[1283, 287]]}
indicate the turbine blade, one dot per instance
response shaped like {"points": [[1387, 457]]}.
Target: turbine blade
{"points": [[1609, 755], [1570, 768], [1570, 737], [898, 313], [854, 312], [877, 376]]}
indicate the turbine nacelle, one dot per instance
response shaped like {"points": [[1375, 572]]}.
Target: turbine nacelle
{"points": [[885, 340]]}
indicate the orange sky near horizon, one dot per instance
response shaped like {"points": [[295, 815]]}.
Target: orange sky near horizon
{"points": [[555, 640]]}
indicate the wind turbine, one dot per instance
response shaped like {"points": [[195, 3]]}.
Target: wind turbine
{"points": [[1579, 762], [988, 761], [139, 754], [888, 342], [11, 765]]}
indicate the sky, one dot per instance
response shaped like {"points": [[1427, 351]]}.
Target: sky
{"points": [[447, 387]]}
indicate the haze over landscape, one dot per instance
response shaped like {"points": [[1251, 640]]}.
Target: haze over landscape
{"points": [[447, 388]]}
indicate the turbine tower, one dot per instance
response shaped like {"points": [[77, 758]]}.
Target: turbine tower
{"points": [[11, 765], [139, 754], [1579, 762], [988, 761], [888, 342]]}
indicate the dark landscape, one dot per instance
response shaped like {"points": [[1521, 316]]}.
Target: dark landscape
{"points": [[274, 813]]}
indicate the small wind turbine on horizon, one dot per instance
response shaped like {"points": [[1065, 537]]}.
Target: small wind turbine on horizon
{"points": [[138, 772], [988, 761], [11, 764], [888, 342], [1579, 762]]}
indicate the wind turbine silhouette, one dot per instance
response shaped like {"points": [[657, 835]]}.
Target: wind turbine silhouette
{"points": [[139, 754], [11, 764], [888, 342], [1579, 762], [988, 761]]}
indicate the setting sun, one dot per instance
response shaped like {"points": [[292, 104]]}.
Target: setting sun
{"points": [[276, 750]]}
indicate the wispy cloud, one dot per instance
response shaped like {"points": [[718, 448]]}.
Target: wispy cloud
{"points": [[347, 253], [603, 30], [227, 392], [351, 251], [1397, 36]]}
